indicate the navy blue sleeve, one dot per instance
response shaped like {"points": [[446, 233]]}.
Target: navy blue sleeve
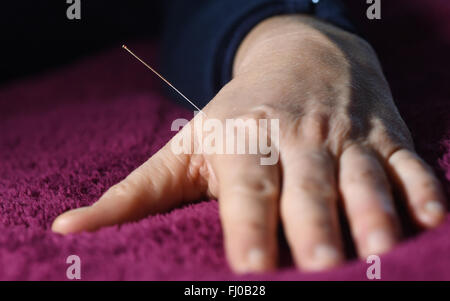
{"points": [[202, 36]]}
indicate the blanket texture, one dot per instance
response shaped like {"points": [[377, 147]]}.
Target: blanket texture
{"points": [[67, 135]]}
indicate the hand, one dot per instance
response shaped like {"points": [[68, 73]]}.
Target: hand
{"points": [[342, 143]]}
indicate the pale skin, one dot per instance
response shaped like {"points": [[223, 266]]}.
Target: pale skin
{"points": [[342, 144]]}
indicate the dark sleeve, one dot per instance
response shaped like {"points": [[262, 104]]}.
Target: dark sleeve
{"points": [[202, 36]]}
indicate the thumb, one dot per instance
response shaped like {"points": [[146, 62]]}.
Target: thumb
{"points": [[158, 185]]}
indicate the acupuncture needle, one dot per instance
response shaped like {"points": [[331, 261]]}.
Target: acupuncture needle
{"points": [[162, 78]]}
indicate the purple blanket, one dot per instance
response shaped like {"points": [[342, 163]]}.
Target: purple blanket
{"points": [[67, 135]]}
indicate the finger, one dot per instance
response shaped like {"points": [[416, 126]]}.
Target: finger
{"points": [[420, 187], [157, 185], [368, 202], [309, 209], [248, 195]]}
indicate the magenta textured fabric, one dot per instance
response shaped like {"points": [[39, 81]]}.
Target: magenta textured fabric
{"points": [[67, 135]]}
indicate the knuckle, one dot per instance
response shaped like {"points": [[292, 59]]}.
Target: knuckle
{"points": [[366, 167], [364, 175], [129, 186], [256, 225], [259, 187], [369, 175], [320, 220], [310, 184], [120, 189], [382, 136], [317, 187], [314, 127], [264, 111], [246, 122], [251, 117]]}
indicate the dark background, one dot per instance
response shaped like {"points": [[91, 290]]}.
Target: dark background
{"points": [[37, 35]]}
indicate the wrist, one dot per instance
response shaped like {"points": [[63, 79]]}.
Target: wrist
{"points": [[298, 43]]}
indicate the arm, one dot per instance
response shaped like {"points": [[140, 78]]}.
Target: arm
{"points": [[201, 37]]}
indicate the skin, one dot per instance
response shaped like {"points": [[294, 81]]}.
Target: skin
{"points": [[342, 144]]}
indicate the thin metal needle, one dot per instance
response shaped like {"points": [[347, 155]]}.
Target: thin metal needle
{"points": [[161, 77]]}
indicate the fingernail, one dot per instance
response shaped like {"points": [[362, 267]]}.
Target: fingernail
{"points": [[256, 259], [379, 241], [432, 212]]}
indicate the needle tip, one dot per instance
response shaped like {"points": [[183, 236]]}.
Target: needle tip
{"points": [[124, 46]]}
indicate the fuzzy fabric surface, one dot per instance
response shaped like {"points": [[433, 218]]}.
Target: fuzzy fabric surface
{"points": [[69, 134]]}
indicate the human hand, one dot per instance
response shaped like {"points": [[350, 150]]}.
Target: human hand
{"points": [[342, 143]]}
